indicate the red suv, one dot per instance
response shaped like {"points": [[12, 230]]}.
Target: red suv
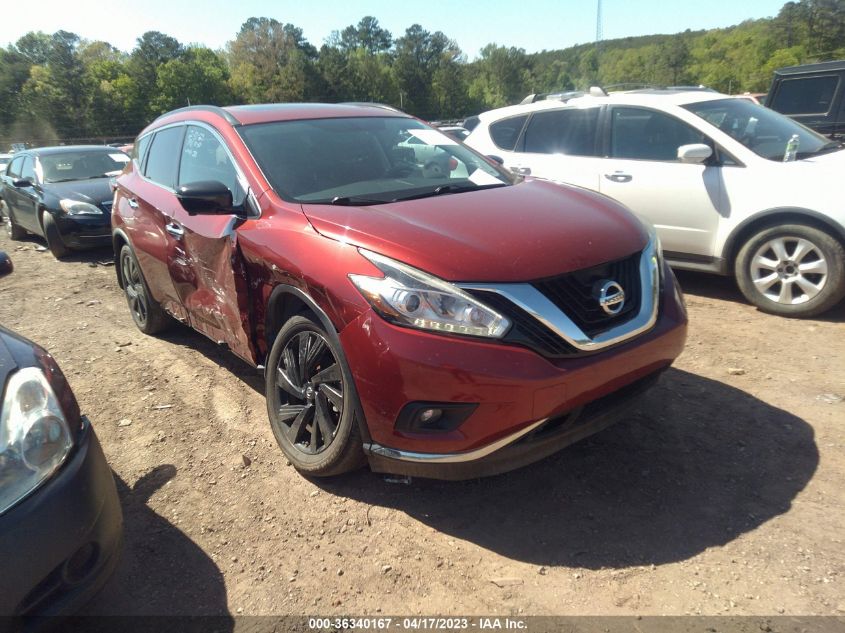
{"points": [[409, 301]]}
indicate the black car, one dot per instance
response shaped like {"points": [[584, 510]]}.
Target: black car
{"points": [[812, 94], [60, 519], [61, 194]]}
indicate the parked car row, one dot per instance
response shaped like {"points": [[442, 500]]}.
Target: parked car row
{"points": [[416, 304]]}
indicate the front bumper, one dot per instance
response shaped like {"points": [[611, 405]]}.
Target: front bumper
{"points": [[81, 232], [518, 392], [60, 545]]}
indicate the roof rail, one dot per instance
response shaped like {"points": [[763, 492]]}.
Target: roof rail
{"points": [[203, 108], [372, 104], [552, 96]]}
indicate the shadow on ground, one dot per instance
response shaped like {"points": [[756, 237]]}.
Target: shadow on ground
{"points": [[101, 256], [725, 289], [697, 464], [161, 571], [183, 335]]}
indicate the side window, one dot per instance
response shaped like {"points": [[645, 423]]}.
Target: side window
{"points": [[15, 168], [164, 156], [205, 158], [506, 132], [644, 134], [806, 95], [140, 148], [571, 131], [28, 169]]}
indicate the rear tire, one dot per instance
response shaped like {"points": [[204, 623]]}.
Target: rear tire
{"points": [[792, 270], [148, 315], [311, 400], [12, 230], [53, 237]]}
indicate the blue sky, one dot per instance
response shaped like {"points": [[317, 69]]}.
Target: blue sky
{"points": [[530, 24]]}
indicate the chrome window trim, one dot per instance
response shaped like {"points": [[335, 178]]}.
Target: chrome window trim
{"points": [[450, 458], [541, 308]]}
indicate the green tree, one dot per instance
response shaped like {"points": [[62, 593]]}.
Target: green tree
{"points": [[501, 76], [271, 61], [198, 76]]}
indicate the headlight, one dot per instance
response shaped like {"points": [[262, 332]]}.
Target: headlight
{"points": [[34, 436], [654, 240], [410, 297], [77, 207]]}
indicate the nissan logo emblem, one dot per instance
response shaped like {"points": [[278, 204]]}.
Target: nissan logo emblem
{"points": [[611, 297]]}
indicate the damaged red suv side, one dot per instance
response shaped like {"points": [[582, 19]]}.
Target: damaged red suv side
{"points": [[411, 303]]}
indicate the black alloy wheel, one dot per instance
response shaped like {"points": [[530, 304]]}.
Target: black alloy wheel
{"points": [[310, 404], [146, 312]]}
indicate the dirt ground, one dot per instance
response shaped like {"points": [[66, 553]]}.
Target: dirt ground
{"points": [[722, 494]]}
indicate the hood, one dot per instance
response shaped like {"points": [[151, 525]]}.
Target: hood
{"points": [[527, 231], [95, 191]]}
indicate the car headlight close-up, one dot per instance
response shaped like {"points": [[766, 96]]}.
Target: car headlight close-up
{"points": [[77, 207], [35, 438], [407, 296]]}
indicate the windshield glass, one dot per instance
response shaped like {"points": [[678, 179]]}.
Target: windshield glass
{"points": [[81, 165], [763, 131], [365, 160]]}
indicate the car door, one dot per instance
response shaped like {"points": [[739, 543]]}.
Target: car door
{"points": [[683, 201], [10, 194], [560, 145], [205, 265], [146, 200], [27, 197]]}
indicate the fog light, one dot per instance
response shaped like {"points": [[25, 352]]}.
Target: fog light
{"points": [[433, 417], [429, 416], [78, 566]]}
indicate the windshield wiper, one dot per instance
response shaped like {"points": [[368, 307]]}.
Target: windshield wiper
{"points": [[832, 146], [352, 201], [450, 189]]}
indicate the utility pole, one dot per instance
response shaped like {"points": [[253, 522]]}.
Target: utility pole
{"points": [[599, 33]]}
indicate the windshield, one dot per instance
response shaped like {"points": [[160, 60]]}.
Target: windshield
{"points": [[81, 165], [365, 160], [763, 131]]}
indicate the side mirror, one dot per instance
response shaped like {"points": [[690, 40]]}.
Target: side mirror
{"points": [[694, 153], [208, 197], [5, 264], [496, 159], [22, 182]]}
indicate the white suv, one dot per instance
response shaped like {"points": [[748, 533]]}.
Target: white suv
{"points": [[708, 171]]}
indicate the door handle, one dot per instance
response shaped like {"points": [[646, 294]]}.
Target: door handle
{"points": [[175, 230], [521, 171], [619, 177], [133, 203]]}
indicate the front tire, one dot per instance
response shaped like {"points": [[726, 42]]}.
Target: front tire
{"points": [[148, 315], [311, 401], [53, 237], [792, 270]]}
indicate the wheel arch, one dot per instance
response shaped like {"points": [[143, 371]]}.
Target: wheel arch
{"points": [[287, 301], [119, 239], [771, 217]]}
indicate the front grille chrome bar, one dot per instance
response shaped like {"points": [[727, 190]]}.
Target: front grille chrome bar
{"points": [[541, 308]]}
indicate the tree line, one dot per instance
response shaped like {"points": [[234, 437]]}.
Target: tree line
{"points": [[60, 86]]}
